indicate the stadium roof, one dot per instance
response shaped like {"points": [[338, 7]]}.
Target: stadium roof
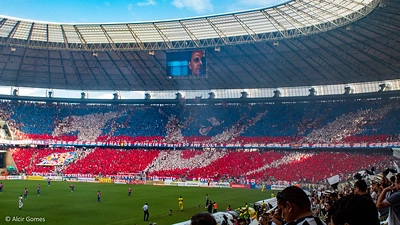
{"points": [[299, 43]]}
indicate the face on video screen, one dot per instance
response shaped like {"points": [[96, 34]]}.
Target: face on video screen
{"points": [[196, 62], [186, 64]]}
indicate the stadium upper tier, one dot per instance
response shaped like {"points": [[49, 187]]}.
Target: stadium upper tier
{"points": [[299, 43], [345, 121], [293, 19]]}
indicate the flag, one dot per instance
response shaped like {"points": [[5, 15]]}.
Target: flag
{"points": [[214, 121], [204, 130], [333, 180], [396, 152], [396, 167]]}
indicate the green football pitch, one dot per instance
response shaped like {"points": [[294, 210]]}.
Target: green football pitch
{"points": [[58, 205]]}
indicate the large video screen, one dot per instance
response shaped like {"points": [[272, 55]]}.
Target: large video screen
{"points": [[187, 64]]}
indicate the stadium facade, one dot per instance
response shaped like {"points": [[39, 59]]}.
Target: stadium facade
{"points": [[319, 54], [293, 47]]}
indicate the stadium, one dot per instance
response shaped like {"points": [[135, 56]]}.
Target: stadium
{"points": [[303, 93]]}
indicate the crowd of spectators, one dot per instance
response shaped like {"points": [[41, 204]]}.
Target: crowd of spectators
{"points": [[27, 159], [348, 125], [311, 122], [321, 165], [371, 198], [237, 166], [345, 121], [22, 158], [113, 161]]}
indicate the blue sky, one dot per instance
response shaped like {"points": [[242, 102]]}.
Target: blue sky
{"points": [[109, 11], [105, 11]]}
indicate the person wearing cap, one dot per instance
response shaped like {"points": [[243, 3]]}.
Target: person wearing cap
{"points": [[294, 206], [390, 197]]}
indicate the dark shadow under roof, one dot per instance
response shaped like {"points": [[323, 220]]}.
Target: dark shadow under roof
{"points": [[362, 51]]}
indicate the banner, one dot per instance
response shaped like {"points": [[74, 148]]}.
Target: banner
{"points": [[119, 181], [222, 185], [35, 178], [13, 177], [86, 179], [278, 187], [105, 180], [238, 186], [57, 178]]}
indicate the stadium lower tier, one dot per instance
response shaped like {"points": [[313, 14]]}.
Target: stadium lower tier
{"points": [[221, 164]]}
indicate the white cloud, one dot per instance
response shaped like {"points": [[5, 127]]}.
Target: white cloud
{"points": [[130, 7], [199, 6], [147, 3]]}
